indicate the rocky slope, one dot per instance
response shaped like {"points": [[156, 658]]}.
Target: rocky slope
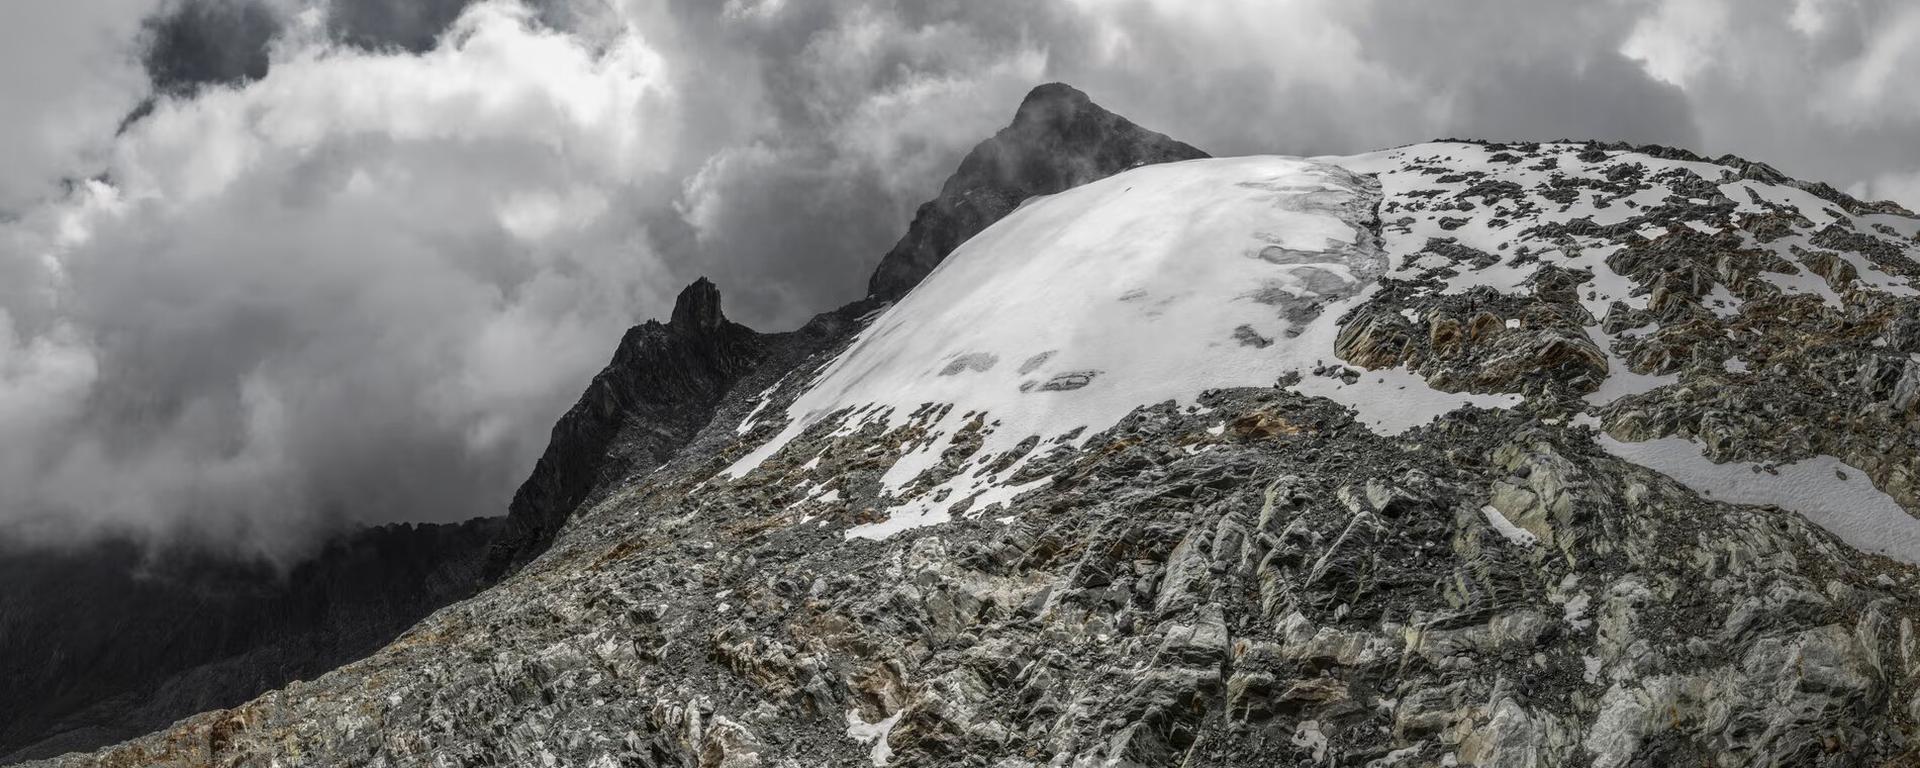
{"points": [[1399, 459]]}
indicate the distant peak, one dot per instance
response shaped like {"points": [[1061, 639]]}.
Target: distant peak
{"points": [[1051, 102], [698, 306], [1058, 140]]}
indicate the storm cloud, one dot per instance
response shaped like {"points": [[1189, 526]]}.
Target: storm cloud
{"points": [[272, 267]]}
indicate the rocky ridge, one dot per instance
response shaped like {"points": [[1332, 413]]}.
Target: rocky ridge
{"points": [[1257, 575]]}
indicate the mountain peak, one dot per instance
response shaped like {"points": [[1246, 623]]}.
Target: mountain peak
{"points": [[698, 307], [1051, 102], [1059, 139]]}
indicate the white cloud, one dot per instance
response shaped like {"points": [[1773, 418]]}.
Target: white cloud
{"points": [[1810, 17], [1902, 187], [1678, 39], [1876, 83], [422, 251], [67, 77]]}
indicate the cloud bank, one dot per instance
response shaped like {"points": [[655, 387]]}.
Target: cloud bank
{"points": [[271, 267]]}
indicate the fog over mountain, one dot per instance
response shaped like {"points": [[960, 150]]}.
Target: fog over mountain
{"points": [[268, 267]]}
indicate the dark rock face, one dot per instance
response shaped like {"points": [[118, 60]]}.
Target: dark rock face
{"points": [[95, 648], [1059, 139], [661, 388]]}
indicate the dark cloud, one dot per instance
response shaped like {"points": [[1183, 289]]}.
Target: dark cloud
{"points": [[359, 280], [201, 42], [410, 25]]}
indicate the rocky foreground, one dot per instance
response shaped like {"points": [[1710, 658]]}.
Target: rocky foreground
{"points": [[1252, 576]]}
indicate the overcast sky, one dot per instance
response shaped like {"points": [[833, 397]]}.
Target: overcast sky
{"points": [[268, 266]]}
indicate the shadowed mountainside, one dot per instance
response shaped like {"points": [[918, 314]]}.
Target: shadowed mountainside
{"points": [[108, 642]]}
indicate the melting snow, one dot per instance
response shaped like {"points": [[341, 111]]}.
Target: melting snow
{"points": [[760, 404], [1307, 735]]}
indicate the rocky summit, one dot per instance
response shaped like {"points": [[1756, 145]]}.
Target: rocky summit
{"points": [[1461, 453]]}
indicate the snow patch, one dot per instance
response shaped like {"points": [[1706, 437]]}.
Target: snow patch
{"points": [[1621, 380], [1507, 529], [1825, 490], [864, 732], [1393, 400], [1575, 612]]}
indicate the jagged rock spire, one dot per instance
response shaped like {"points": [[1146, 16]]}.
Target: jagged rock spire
{"points": [[698, 307], [1058, 139]]}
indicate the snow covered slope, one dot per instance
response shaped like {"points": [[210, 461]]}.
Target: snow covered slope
{"points": [[1152, 285], [1449, 273]]}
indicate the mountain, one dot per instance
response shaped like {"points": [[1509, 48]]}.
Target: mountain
{"points": [[662, 387], [132, 665], [1459, 453], [108, 641], [1059, 139]]}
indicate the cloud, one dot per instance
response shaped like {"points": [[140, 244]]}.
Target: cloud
{"points": [[358, 288], [67, 77], [354, 256], [1814, 87], [201, 42]]}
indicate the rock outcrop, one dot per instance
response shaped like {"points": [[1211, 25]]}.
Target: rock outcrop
{"points": [[661, 387]]}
